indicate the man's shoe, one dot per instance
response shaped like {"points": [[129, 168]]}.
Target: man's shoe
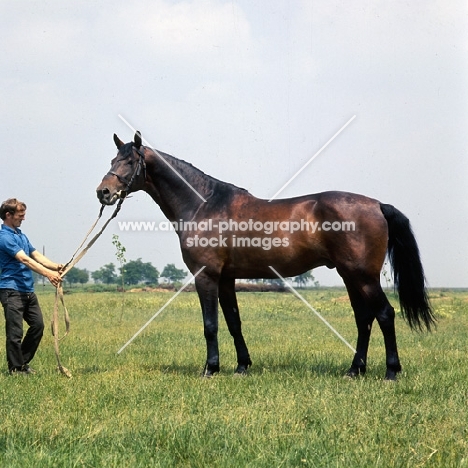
{"points": [[29, 370], [18, 372], [25, 370]]}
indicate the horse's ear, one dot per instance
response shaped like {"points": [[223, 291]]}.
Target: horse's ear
{"points": [[118, 142], [137, 139]]}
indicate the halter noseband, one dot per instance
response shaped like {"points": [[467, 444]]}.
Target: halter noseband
{"points": [[136, 172]]}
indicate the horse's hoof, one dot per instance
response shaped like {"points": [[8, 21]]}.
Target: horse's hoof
{"points": [[390, 376], [241, 372], [209, 373], [392, 372], [242, 368], [350, 376], [354, 373]]}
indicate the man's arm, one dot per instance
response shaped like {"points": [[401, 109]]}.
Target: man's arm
{"points": [[31, 263], [44, 261]]}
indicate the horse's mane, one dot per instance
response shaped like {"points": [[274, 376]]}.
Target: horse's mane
{"points": [[200, 181]]}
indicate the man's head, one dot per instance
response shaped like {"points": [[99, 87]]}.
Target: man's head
{"points": [[12, 212]]}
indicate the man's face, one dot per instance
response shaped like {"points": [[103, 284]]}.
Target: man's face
{"points": [[15, 220]]}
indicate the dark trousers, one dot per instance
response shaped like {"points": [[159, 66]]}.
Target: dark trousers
{"points": [[18, 307]]}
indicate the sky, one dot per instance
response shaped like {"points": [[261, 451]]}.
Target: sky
{"points": [[247, 91]]}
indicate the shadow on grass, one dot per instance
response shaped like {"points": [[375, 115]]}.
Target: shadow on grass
{"points": [[330, 369], [315, 369], [320, 364], [174, 368], [335, 369], [91, 370], [186, 370]]}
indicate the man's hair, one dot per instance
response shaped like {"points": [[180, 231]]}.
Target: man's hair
{"points": [[11, 206]]}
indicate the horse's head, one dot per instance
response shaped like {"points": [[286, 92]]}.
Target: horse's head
{"points": [[127, 173]]}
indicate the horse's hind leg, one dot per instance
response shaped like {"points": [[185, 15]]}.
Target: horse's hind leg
{"points": [[369, 302], [364, 317], [386, 319], [228, 301]]}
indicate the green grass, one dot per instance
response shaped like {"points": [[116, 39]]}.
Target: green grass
{"points": [[149, 407]]}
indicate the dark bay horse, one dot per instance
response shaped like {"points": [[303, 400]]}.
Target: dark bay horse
{"points": [[229, 234]]}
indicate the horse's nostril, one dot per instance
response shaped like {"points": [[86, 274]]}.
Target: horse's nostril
{"points": [[103, 193]]}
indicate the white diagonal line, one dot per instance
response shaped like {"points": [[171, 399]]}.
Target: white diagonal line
{"points": [[160, 310], [312, 158], [313, 310], [158, 154]]}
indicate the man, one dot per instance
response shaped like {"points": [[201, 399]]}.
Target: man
{"points": [[17, 258]]}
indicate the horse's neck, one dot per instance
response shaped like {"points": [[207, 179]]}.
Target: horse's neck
{"points": [[176, 186]]}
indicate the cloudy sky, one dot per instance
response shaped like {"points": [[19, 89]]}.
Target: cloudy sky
{"points": [[248, 91]]}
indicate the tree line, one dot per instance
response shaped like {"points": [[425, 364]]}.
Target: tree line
{"points": [[132, 272], [136, 272]]}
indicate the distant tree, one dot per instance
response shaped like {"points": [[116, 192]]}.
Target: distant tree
{"points": [[120, 254], [150, 274], [172, 273], [252, 280], [275, 281], [105, 274], [135, 271], [304, 278], [76, 275]]}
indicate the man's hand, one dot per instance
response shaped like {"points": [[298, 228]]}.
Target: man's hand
{"points": [[42, 265], [54, 278]]}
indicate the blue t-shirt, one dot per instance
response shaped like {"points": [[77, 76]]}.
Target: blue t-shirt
{"points": [[14, 275]]}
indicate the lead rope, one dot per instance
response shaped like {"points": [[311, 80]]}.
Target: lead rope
{"points": [[59, 290]]}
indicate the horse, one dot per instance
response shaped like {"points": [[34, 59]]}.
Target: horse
{"points": [[257, 238]]}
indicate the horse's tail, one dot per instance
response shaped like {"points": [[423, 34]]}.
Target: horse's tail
{"points": [[408, 273]]}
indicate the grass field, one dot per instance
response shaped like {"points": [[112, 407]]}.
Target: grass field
{"points": [[149, 407]]}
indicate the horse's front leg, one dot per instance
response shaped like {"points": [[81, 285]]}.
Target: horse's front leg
{"points": [[228, 301], [207, 289]]}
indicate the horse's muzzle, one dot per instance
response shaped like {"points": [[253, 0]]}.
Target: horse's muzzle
{"points": [[107, 198]]}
